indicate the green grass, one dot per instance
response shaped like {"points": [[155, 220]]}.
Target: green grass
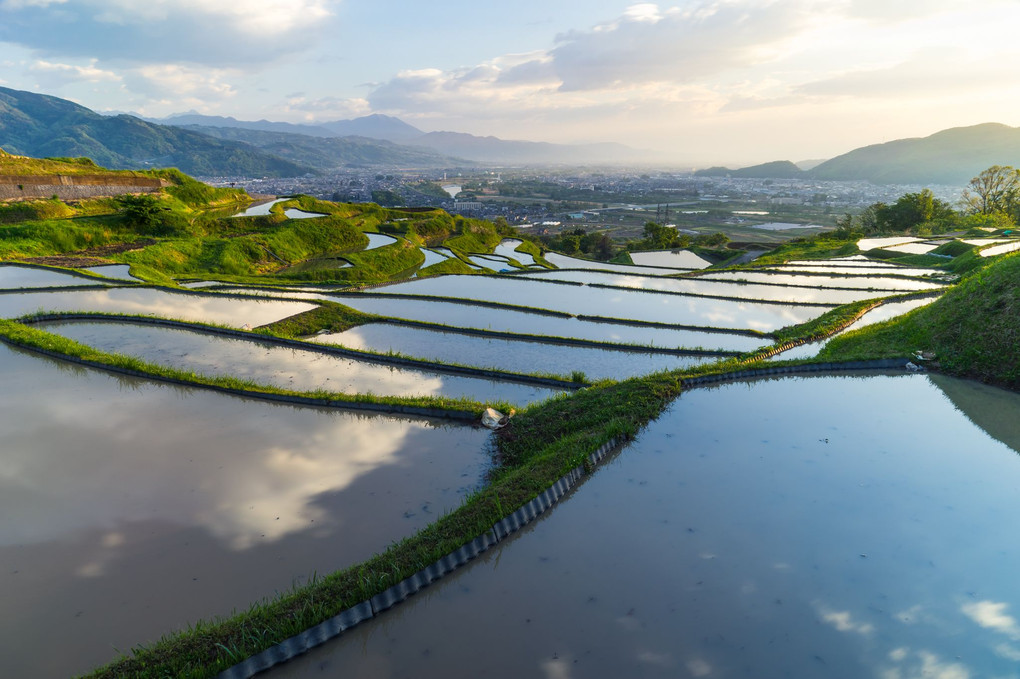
{"points": [[328, 316], [815, 248], [972, 329]]}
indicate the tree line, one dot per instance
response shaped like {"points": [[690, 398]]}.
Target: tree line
{"points": [[991, 200]]}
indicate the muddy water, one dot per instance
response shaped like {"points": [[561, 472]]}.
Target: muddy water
{"points": [[511, 355], [210, 308], [700, 286], [849, 527], [132, 508], [675, 259], [14, 277], [284, 367], [613, 303], [504, 320], [872, 282]]}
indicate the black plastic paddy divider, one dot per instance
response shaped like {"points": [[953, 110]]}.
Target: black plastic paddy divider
{"points": [[329, 349], [500, 531]]}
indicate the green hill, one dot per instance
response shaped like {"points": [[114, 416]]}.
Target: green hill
{"points": [[952, 157], [777, 169], [43, 126]]}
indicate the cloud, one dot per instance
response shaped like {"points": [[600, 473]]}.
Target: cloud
{"points": [[58, 74], [215, 32], [992, 615], [844, 622], [676, 45]]}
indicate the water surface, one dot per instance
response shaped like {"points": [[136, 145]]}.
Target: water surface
{"points": [[280, 366], [674, 259], [118, 271], [132, 508], [503, 354], [208, 308], [704, 286], [616, 303], [865, 540], [508, 248], [865, 282], [14, 277]]}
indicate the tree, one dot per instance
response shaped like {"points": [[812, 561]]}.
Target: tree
{"points": [[997, 189], [911, 210], [658, 237]]}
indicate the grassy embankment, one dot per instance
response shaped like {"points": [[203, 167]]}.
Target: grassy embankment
{"points": [[973, 329]]}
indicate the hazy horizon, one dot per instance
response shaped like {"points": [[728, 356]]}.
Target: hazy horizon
{"points": [[719, 82]]}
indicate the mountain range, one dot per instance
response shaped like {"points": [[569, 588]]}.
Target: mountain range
{"points": [[952, 157], [44, 126]]}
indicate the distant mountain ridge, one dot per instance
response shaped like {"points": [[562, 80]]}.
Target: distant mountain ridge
{"points": [[459, 145], [43, 126], [951, 157], [777, 169], [375, 126], [327, 153]]}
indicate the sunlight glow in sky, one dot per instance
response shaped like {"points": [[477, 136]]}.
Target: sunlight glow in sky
{"points": [[703, 81]]}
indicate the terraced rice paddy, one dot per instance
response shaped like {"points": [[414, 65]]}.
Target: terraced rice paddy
{"points": [[616, 303], [748, 531], [113, 483], [286, 367], [505, 354], [15, 277]]}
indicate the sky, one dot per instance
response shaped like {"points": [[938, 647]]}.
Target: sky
{"points": [[695, 82]]}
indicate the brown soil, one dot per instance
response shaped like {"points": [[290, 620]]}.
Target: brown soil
{"points": [[91, 256]]}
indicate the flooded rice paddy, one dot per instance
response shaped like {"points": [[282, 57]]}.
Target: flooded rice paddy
{"points": [[855, 269], [208, 308], [508, 249], [521, 322], [294, 213], [377, 240], [132, 508], [116, 271], [14, 277], [866, 539], [505, 354], [855, 282], [613, 303], [565, 262], [260, 209], [876, 315], [702, 286], [672, 259], [285, 367]]}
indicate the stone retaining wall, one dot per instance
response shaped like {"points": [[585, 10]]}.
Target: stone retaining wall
{"points": [[74, 187]]}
